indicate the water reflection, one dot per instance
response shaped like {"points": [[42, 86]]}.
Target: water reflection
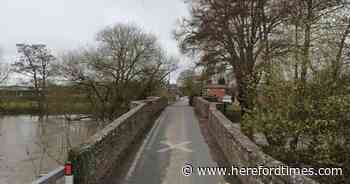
{"points": [[30, 147]]}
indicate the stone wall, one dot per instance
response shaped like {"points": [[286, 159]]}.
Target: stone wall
{"points": [[202, 107], [239, 150], [94, 160]]}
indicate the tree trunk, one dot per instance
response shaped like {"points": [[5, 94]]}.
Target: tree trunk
{"points": [[244, 96]]}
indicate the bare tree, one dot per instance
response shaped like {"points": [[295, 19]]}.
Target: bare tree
{"points": [[236, 33], [4, 69], [153, 76], [4, 74], [34, 62], [126, 62]]}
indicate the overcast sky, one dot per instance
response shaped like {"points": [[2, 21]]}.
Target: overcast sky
{"points": [[69, 24]]}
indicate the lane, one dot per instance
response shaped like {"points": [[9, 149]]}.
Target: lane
{"points": [[174, 140]]}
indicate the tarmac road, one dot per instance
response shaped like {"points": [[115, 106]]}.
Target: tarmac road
{"points": [[174, 140]]}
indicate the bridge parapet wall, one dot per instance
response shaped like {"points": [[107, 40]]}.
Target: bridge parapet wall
{"points": [[94, 160], [202, 107], [239, 150]]}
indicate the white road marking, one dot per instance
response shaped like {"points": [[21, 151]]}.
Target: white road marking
{"points": [[179, 146], [142, 148], [154, 132]]}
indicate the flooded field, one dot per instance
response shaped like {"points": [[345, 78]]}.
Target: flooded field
{"points": [[30, 147]]}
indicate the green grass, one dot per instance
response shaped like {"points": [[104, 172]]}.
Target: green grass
{"points": [[16, 107]]}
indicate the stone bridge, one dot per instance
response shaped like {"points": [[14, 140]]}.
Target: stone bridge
{"points": [[157, 143], [95, 160]]}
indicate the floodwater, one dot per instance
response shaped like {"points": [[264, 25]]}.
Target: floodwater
{"points": [[30, 147]]}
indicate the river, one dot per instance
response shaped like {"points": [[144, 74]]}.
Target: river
{"points": [[30, 147]]}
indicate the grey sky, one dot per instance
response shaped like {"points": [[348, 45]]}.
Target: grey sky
{"points": [[69, 24]]}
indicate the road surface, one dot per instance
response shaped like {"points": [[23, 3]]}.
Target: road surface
{"points": [[174, 140]]}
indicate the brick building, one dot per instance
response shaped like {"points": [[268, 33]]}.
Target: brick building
{"points": [[216, 90]]}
